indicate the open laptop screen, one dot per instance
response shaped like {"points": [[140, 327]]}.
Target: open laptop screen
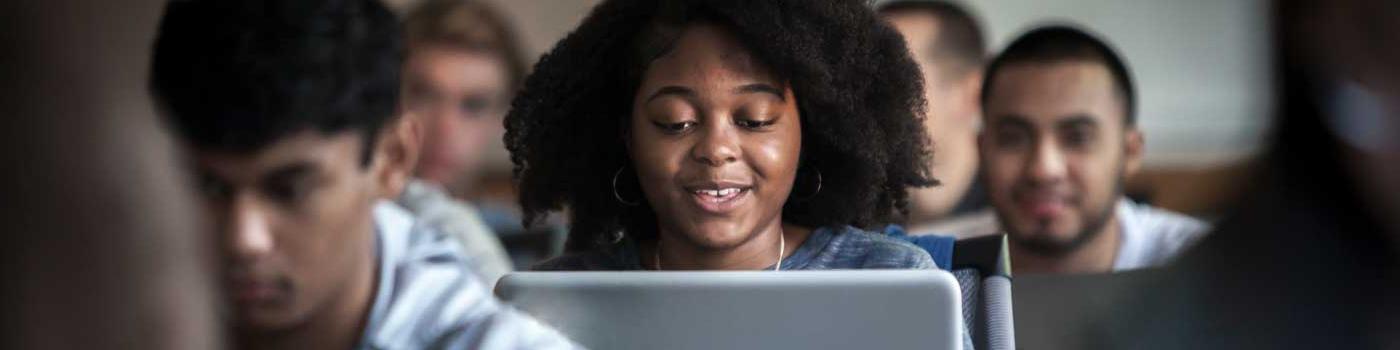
{"points": [[854, 309]]}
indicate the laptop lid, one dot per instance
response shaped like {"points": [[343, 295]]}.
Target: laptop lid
{"points": [[852, 309]]}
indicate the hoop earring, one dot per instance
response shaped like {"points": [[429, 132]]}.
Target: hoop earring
{"points": [[618, 195], [819, 187]]}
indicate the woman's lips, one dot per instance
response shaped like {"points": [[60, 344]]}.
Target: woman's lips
{"points": [[719, 200]]}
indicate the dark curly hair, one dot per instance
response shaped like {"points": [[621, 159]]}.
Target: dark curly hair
{"points": [[858, 91], [239, 75]]}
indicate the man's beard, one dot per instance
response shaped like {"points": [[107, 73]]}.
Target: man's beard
{"points": [[1047, 245]]}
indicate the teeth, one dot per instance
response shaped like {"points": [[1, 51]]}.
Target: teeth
{"points": [[718, 193]]}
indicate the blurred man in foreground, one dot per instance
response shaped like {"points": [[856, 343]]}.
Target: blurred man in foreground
{"points": [[288, 113], [1311, 258], [96, 226]]}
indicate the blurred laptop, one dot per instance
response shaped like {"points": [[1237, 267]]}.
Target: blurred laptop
{"points": [[853, 309]]}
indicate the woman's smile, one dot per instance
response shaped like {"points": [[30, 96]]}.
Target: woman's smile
{"points": [[718, 198]]}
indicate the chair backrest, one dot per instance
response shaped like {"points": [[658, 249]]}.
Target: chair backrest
{"points": [[982, 266], [970, 281]]}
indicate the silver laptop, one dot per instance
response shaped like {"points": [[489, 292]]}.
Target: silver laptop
{"points": [[852, 309]]}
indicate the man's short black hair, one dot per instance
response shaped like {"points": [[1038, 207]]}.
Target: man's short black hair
{"points": [[237, 76], [959, 34], [1058, 43]]}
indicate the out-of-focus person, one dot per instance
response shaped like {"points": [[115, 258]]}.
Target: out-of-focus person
{"points": [[947, 42], [1059, 141], [96, 227], [288, 113], [1310, 259], [461, 68]]}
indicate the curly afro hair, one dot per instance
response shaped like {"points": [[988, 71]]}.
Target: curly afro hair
{"points": [[858, 92]]}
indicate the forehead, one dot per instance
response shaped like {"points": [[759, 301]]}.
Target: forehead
{"points": [[334, 151], [707, 52], [444, 65], [1048, 91], [919, 28]]}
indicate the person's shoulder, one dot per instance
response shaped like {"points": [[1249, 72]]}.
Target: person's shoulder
{"points": [[1167, 225], [873, 250], [403, 238], [428, 292], [938, 246], [459, 311], [432, 205], [508, 329], [968, 225], [1163, 234]]}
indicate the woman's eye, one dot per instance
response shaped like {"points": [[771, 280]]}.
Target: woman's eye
{"points": [[754, 124], [675, 128]]}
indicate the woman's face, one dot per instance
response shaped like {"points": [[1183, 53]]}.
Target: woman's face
{"points": [[715, 140]]}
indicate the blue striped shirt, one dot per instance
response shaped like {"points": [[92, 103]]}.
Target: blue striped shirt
{"points": [[428, 298]]}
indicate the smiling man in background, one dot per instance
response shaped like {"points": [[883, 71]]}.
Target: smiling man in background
{"points": [[1061, 138]]}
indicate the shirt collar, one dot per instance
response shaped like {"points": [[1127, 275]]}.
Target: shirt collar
{"points": [[391, 227]]}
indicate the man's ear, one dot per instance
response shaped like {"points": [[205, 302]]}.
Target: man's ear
{"points": [[397, 155], [971, 98], [1133, 144], [972, 84], [981, 148]]}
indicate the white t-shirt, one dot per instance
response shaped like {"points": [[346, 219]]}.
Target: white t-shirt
{"points": [[1153, 237], [1150, 236]]}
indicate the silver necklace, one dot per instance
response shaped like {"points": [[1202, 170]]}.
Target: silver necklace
{"points": [[782, 246]]}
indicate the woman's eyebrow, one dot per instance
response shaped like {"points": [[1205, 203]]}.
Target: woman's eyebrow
{"points": [[758, 88], [681, 91]]}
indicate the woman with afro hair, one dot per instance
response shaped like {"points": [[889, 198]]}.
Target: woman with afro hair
{"points": [[723, 135]]}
